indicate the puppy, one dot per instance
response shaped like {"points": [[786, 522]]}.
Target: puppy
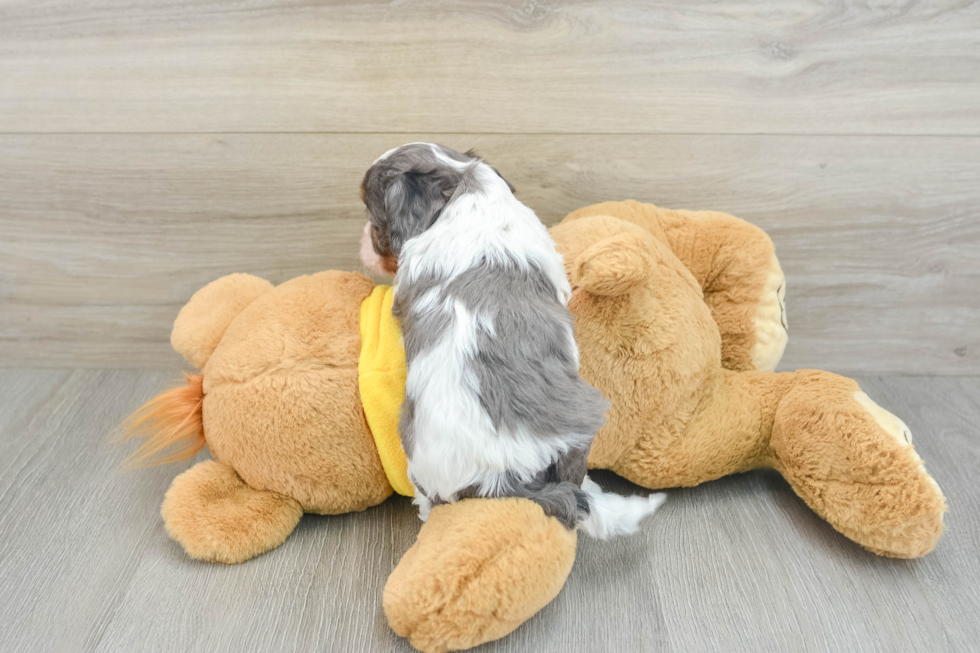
{"points": [[494, 405]]}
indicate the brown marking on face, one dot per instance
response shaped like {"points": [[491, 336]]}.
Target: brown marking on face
{"points": [[379, 240], [389, 264]]}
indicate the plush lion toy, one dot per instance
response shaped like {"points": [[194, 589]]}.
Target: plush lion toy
{"points": [[679, 320]]}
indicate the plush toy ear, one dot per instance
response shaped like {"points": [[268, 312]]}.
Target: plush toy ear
{"points": [[613, 266]]}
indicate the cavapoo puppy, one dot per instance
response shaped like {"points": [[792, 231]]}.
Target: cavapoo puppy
{"points": [[494, 404]]}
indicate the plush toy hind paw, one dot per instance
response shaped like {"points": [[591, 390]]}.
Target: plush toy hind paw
{"points": [[479, 569], [853, 462], [216, 517]]}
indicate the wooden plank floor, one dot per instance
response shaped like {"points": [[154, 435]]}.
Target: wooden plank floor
{"points": [[739, 564]]}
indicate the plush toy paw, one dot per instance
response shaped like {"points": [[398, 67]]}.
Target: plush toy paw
{"points": [[479, 569], [771, 330], [215, 516], [204, 319], [853, 463]]}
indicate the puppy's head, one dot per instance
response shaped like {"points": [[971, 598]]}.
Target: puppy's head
{"points": [[405, 192]]}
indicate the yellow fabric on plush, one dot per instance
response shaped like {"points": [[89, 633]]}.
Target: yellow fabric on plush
{"points": [[381, 377]]}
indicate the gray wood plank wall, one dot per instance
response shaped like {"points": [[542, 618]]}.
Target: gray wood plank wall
{"points": [[148, 148]]}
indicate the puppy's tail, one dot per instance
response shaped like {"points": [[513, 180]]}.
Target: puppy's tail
{"points": [[611, 515]]}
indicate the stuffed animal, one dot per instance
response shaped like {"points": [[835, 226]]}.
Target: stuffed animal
{"points": [[679, 320]]}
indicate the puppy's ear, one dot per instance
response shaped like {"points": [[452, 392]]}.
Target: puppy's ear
{"points": [[613, 266], [509, 185], [473, 155], [414, 201]]}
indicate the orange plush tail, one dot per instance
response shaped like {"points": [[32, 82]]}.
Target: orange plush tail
{"points": [[171, 419]]}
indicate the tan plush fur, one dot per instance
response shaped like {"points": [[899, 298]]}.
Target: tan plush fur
{"points": [[216, 517], [679, 418], [281, 402], [671, 311], [281, 413], [729, 258], [479, 569], [202, 322]]}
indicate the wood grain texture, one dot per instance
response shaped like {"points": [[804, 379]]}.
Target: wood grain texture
{"points": [[794, 66], [106, 236], [739, 564]]}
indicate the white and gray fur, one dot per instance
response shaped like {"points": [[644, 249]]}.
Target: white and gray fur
{"points": [[494, 404]]}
